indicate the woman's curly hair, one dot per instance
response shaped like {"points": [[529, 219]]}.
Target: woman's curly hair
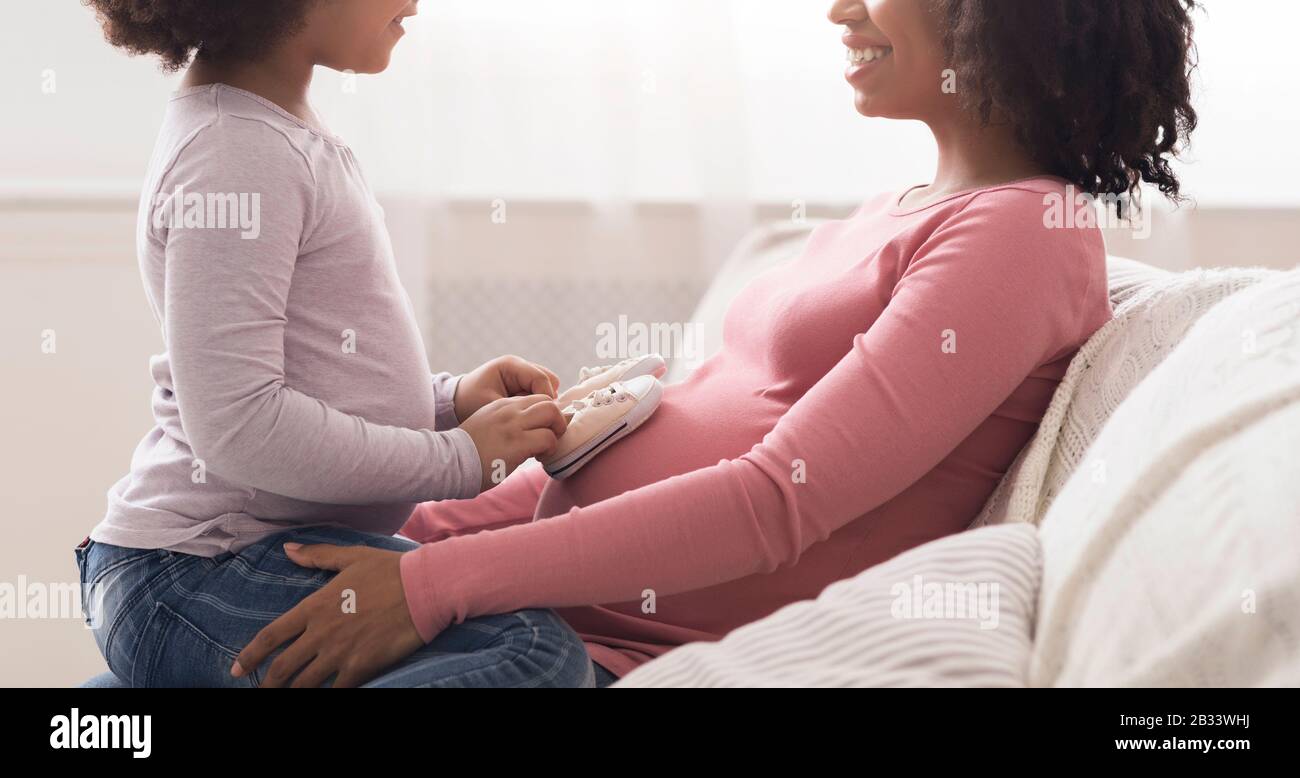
{"points": [[216, 30], [1098, 91]]}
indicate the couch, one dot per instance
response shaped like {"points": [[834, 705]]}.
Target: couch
{"points": [[1147, 536]]}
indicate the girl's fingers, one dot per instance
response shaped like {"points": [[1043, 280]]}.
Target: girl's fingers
{"points": [[541, 443], [541, 383], [552, 377], [520, 375], [545, 415]]}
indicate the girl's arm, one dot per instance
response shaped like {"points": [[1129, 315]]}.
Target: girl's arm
{"points": [[1006, 292], [224, 324], [444, 401]]}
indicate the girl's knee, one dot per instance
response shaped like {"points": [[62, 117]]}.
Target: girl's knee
{"points": [[553, 649]]}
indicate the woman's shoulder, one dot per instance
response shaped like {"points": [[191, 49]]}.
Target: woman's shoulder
{"points": [[1032, 203], [1034, 236], [1042, 210], [1047, 234], [1044, 218]]}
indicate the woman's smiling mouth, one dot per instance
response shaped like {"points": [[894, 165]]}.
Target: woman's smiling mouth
{"points": [[866, 60], [869, 54], [865, 53]]}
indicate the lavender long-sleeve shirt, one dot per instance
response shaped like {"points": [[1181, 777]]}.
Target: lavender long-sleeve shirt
{"points": [[294, 388]]}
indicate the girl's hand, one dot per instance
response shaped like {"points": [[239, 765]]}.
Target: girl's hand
{"points": [[353, 628], [510, 431], [503, 377]]}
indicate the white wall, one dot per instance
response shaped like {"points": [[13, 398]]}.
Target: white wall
{"points": [[613, 98]]}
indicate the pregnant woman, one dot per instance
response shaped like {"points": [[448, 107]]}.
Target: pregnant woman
{"points": [[867, 398]]}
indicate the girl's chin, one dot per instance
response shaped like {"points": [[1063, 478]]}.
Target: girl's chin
{"points": [[377, 64]]}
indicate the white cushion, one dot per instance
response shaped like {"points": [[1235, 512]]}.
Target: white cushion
{"points": [[867, 631], [1154, 310], [1170, 558]]}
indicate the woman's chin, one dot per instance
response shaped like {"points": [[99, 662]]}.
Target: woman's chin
{"points": [[875, 106], [866, 105]]}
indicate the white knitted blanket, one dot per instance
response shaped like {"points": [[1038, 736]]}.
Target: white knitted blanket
{"points": [[1154, 310], [1169, 558]]}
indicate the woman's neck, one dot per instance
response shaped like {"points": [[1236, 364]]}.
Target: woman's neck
{"points": [[283, 79], [972, 157]]}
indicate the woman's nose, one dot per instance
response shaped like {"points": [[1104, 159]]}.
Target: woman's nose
{"points": [[847, 11]]}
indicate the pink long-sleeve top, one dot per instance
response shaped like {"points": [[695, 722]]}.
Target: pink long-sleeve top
{"points": [[867, 399]]}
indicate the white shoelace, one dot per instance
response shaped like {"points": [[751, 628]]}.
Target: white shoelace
{"points": [[601, 397]]}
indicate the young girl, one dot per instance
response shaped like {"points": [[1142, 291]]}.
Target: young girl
{"points": [[293, 402], [867, 397]]}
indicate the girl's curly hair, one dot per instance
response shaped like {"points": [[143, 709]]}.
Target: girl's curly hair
{"points": [[1098, 91], [177, 30]]}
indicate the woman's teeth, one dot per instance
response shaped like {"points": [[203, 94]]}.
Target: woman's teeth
{"points": [[863, 56]]}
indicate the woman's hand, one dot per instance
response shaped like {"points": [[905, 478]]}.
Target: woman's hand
{"points": [[354, 627], [502, 377]]}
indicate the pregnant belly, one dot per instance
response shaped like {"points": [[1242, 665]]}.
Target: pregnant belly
{"points": [[697, 425]]}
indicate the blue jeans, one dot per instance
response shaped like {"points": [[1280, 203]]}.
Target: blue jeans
{"points": [[166, 619]]}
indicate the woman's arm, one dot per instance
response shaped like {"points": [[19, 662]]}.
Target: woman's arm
{"points": [[224, 321], [513, 502], [983, 303]]}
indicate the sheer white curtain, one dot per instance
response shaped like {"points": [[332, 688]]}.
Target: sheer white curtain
{"points": [[642, 135], [607, 99], [575, 117], [691, 100], [602, 99], [721, 103], [714, 107], [632, 142]]}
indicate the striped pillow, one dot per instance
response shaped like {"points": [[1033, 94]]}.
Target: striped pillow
{"points": [[955, 612]]}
